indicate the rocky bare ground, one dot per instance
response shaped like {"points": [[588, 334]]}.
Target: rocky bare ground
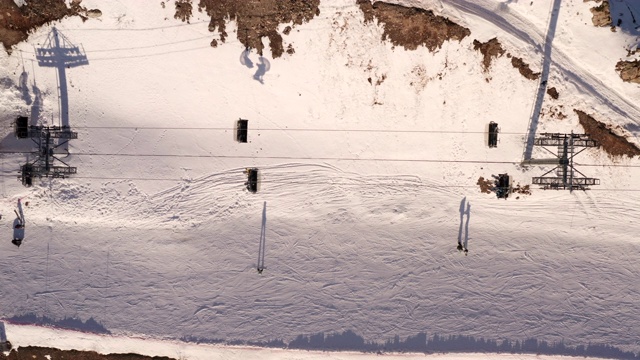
{"points": [[411, 27], [629, 71], [601, 14], [606, 136], [16, 22], [256, 19]]}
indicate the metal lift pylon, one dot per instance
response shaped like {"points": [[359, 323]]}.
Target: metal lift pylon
{"points": [[566, 175]]}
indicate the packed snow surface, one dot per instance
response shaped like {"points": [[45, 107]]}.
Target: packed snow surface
{"points": [[368, 185]]}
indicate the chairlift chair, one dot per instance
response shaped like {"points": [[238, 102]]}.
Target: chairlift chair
{"points": [[242, 130], [493, 134], [252, 180], [503, 186]]}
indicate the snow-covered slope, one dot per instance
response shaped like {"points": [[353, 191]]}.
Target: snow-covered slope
{"points": [[364, 184]]}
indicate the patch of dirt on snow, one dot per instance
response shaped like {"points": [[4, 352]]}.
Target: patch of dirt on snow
{"points": [[184, 10], [41, 353], [601, 14], [486, 185], [17, 22], [524, 68], [629, 71], [553, 92], [411, 27], [612, 143], [521, 189], [257, 19], [489, 50], [554, 112]]}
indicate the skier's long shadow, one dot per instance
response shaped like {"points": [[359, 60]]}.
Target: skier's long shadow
{"points": [[462, 207], [466, 228], [263, 240]]}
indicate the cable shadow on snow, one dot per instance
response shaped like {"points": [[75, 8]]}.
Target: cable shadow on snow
{"points": [[544, 77]]}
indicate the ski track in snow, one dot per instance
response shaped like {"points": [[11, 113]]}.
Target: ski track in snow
{"points": [[361, 245]]}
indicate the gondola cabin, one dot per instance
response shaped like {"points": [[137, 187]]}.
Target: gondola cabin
{"points": [[252, 180], [493, 134], [242, 127]]}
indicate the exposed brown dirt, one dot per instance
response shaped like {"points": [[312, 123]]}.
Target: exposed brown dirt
{"points": [[39, 353], [184, 10], [257, 19], [601, 14], [554, 112], [486, 185], [524, 68], [489, 50], [17, 22], [612, 143], [521, 189], [411, 27], [553, 92], [629, 71]]}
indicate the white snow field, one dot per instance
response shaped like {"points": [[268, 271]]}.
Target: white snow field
{"points": [[368, 188]]}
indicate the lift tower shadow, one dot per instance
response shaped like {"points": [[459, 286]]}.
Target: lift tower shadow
{"points": [[544, 77], [60, 53]]}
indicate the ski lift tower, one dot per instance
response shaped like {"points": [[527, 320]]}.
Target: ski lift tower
{"points": [[57, 51], [566, 175], [46, 163]]}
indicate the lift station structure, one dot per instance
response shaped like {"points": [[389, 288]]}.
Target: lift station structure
{"points": [[566, 175]]}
